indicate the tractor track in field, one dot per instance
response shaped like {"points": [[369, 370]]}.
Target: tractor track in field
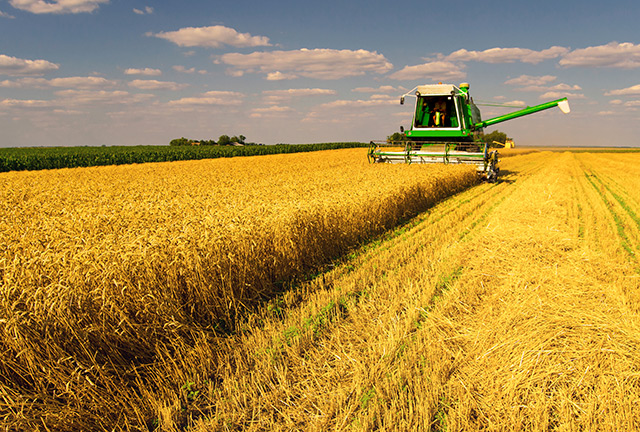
{"points": [[506, 306], [443, 239]]}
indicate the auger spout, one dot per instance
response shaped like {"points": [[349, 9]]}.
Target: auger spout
{"points": [[563, 104]]}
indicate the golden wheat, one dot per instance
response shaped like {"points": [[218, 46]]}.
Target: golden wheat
{"points": [[508, 307], [117, 281]]}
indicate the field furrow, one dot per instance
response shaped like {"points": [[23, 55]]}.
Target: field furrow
{"points": [[508, 306], [498, 309], [118, 283]]}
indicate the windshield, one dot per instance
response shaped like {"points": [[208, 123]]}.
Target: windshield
{"points": [[436, 112]]}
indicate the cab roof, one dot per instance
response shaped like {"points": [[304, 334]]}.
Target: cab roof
{"points": [[436, 90]]}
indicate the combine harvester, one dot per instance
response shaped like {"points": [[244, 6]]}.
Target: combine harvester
{"points": [[445, 129]]}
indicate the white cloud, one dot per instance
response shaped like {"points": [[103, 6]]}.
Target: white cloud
{"points": [[381, 89], [6, 15], [629, 91], [345, 111], [69, 101], [147, 11], [271, 112], [436, 70], [541, 84], [614, 54], [379, 100], [528, 80], [25, 103], [271, 76], [633, 103], [183, 69], [222, 98], [156, 85], [507, 55], [92, 97], [68, 82], [212, 37], [557, 87], [145, 71], [20, 67], [274, 96], [309, 63], [558, 95], [57, 6]]}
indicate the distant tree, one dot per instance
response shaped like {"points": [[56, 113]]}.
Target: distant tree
{"points": [[397, 137], [495, 135], [180, 142], [241, 139], [224, 140]]}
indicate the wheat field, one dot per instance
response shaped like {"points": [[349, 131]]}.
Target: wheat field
{"points": [[317, 292], [507, 307], [112, 276]]}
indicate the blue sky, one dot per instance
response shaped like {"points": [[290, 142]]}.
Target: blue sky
{"points": [[115, 72]]}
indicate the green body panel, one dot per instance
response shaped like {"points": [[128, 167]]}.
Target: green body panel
{"points": [[438, 133]]}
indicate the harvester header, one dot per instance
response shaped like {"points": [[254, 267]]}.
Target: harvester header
{"points": [[446, 128]]}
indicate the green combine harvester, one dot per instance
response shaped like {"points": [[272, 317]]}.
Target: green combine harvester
{"points": [[445, 129]]}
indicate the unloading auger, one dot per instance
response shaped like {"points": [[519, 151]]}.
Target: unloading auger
{"points": [[445, 129]]}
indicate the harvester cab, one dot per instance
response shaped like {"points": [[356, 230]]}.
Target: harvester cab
{"points": [[445, 128]]}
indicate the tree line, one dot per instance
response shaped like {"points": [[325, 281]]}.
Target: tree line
{"points": [[222, 140]]}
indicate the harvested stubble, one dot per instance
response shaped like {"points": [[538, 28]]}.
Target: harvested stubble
{"points": [[508, 307], [116, 280]]}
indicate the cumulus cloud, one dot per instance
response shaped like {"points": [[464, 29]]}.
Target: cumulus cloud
{"points": [[146, 11], [271, 112], [561, 94], [271, 76], [274, 96], [183, 69], [378, 100], [156, 85], [381, 89], [6, 15], [26, 103], [68, 82], [557, 87], [211, 37], [308, 63], [67, 99], [346, 110], [629, 91], [145, 71], [221, 98], [618, 55], [435, 70], [92, 97], [57, 6], [528, 80], [542, 84], [507, 55], [14, 66]]}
